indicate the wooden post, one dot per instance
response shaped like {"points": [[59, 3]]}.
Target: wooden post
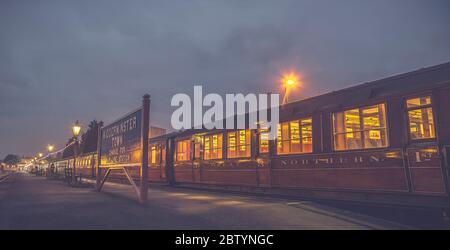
{"points": [[92, 165], [170, 151], [143, 192], [99, 159]]}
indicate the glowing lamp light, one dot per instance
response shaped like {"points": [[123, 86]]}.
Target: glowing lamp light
{"points": [[50, 148], [76, 129], [289, 81], [40, 154]]}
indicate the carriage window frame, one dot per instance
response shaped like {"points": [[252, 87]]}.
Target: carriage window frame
{"points": [[160, 157], [290, 138], [208, 146], [427, 106], [362, 130], [238, 145], [186, 153], [263, 142], [197, 147], [154, 150]]}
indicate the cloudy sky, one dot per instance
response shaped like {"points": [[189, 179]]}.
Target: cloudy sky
{"points": [[66, 60]]}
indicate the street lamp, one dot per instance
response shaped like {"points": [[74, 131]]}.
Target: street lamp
{"points": [[76, 129], [288, 81], [50, 148], [38, 163]]}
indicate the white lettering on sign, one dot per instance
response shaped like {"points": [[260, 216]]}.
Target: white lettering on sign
{"points": [[121, 128]]}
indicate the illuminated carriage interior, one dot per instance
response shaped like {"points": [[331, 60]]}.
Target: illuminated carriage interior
{"points": [[389, 138]]}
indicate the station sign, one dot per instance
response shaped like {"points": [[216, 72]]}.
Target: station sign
{"points": [[121, 141]]}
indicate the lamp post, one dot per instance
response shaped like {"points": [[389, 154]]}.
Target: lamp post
{"points": [[39, 162], [49, 167], [76, 129], [288, 81]]}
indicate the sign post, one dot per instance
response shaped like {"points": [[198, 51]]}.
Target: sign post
{"points": [[144, 146], [98, 170], [123, 144]]}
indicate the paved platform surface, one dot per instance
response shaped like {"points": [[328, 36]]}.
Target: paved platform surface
{"points": [[3, 175], [29, 202]]}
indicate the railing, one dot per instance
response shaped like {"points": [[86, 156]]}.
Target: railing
{"points": [[69, 178]]}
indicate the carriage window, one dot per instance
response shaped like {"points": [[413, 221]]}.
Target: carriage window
{"points": [[264, 141], [239, 144], [295, 137], [153, 155], [183, 150], [420, 116], [212, 147], [198, 141], [360, 128]]}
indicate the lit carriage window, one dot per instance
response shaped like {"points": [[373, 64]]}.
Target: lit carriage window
{"points": [[212, 147], [264, 141], [198, 141], [153, 155], [232, 145], [361, 128], [306, 135], [183, 150], [239, 144], [420, 116], [295, 137]]}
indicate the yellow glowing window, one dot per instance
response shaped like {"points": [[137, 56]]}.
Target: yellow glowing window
{"points": [[212, 147], [207, 149], [239, 144], [375, 134], [198, 143], [420, 116], [295, 137], [264, 141], [295, 132], [417, 102], [153, 155], [231, 145], [360, 128], [183, 150]]}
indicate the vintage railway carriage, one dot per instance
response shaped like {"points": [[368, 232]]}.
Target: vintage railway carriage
{"points": [[60, 166], [386, 141], [86, 165]]}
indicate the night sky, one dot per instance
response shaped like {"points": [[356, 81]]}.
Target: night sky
{"points": [[66, 60]]}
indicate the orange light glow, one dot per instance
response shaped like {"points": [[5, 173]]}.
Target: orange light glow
{"points": [[76, 129], [290, 80]]}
